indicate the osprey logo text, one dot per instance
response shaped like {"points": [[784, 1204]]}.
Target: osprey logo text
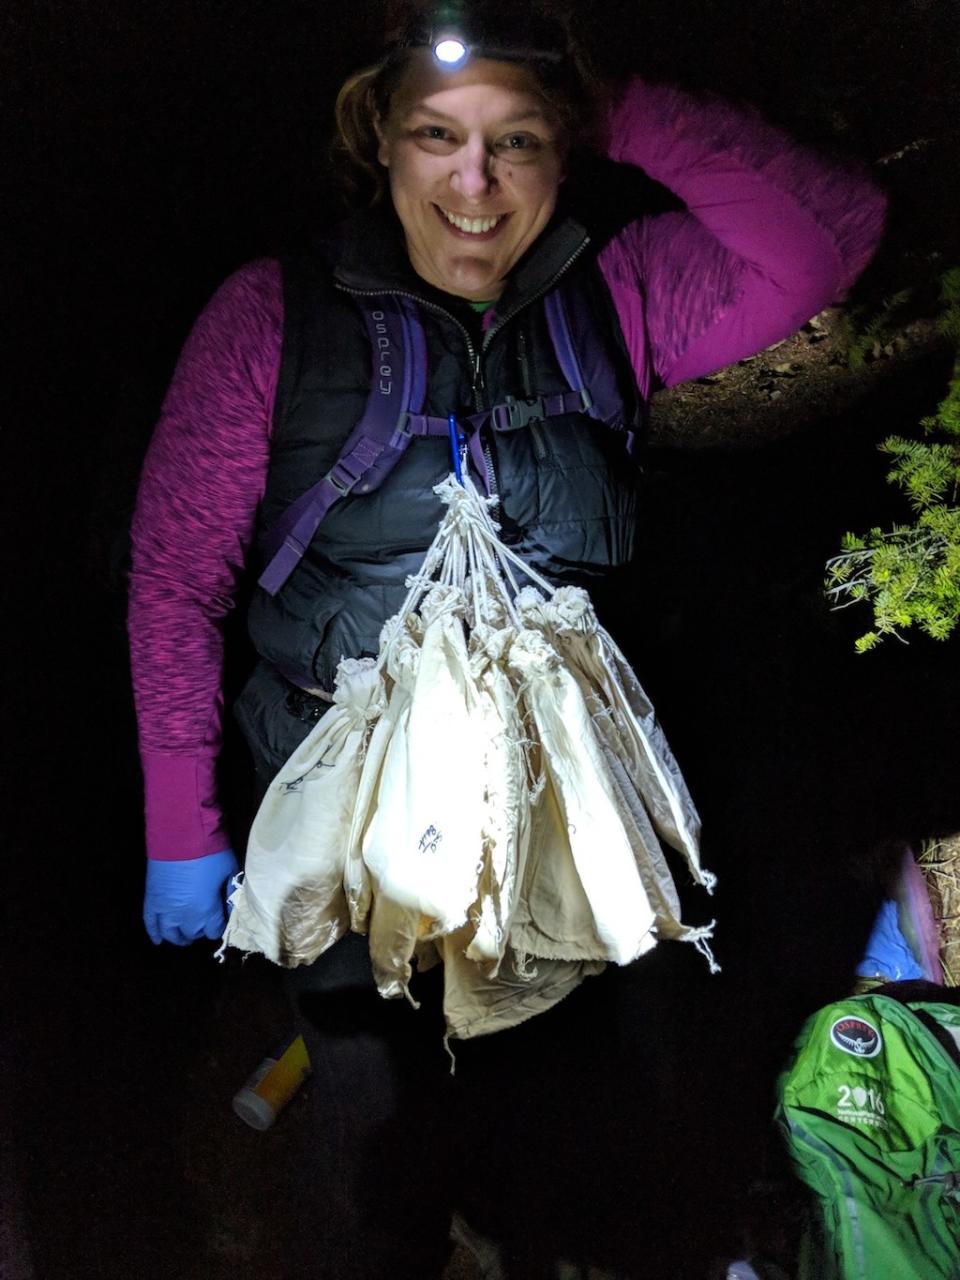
{"points": [[856, 1036], [383, 356]]}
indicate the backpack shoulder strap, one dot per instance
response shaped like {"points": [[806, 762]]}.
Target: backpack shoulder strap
{"points": [[399, 366], [584, 357]]}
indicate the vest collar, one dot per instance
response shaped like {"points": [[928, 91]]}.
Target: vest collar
{"points": [[371, 258]]}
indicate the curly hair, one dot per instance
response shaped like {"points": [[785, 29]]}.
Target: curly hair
{"points": [[568, 84]]}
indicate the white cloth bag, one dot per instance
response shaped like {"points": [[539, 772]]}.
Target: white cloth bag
{"points": [[290, 902], [422, 845]]}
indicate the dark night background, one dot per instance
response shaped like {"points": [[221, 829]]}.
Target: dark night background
{"points": [[152, 149]]}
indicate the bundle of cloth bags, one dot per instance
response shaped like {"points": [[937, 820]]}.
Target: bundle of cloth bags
{"points": [[490, 792]]}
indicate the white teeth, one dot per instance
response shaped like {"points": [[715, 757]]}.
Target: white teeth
{"points": [[473, 225]]}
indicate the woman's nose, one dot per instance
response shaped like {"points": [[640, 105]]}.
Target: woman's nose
{"points": [[473, 175]]}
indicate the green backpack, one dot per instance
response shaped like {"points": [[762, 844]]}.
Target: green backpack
{"points": [[870, 1109]]}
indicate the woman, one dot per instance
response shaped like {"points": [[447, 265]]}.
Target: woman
{"points": [[473, 227]]}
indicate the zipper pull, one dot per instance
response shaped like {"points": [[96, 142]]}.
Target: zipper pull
{"points": [[478, 383], [524, 364]]}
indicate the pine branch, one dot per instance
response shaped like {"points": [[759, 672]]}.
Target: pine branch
{"points": [[910, 574]]}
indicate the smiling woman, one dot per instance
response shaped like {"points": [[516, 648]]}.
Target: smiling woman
{"points": [[475, 160], [289, 433]]}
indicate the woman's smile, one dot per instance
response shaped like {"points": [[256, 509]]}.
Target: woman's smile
{"points": [[473, 227]]}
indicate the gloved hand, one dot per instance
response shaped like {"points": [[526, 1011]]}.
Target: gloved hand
{"points": [[184, 901]]}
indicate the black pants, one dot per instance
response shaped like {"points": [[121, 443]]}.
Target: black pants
{"points": [[375, 1156], [514, 1139]]}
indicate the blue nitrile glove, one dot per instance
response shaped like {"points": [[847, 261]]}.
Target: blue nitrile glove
{"points": [[888, 954], [183, 901]]}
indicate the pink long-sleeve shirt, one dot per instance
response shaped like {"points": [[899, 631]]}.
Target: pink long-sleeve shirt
{"points": [[770, 234]]}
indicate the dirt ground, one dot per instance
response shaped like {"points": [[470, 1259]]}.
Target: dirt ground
{"points": [[780, 391]]}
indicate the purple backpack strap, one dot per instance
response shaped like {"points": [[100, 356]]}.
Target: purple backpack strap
{"points": [[399, 356], [585, 361]]}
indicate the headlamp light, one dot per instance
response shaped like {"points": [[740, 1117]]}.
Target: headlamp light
{"points": [[456, 30], [450, 51]]}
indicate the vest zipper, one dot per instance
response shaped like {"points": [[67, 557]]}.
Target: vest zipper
{"points": [[479, 386]]}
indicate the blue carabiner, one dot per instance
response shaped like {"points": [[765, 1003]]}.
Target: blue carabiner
{"points": [[457, 441]]}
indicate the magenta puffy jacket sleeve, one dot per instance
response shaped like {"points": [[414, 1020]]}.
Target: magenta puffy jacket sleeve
{"points": [[202, 480], [771, 233]]}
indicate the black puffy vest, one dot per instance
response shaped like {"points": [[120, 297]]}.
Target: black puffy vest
{"points": [[566, 487]]}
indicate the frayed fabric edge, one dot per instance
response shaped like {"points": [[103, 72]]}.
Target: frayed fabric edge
{"points": [[707, 880], [236, 883], [700, 939]]}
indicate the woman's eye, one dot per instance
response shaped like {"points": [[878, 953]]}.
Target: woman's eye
{"points": [[434, 133], [514, 142]]}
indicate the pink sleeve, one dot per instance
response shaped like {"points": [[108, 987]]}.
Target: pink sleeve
{"points": [[771, 234], [202, 480]]}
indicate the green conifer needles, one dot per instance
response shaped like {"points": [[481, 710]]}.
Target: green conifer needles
{"points": [[910, 574]]}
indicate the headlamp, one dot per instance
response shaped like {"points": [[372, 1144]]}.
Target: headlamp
{"points": [[455, 30], [447, 33], [450, 51]]}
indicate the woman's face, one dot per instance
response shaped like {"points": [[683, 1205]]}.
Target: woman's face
{"points": [[475, 159]]}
